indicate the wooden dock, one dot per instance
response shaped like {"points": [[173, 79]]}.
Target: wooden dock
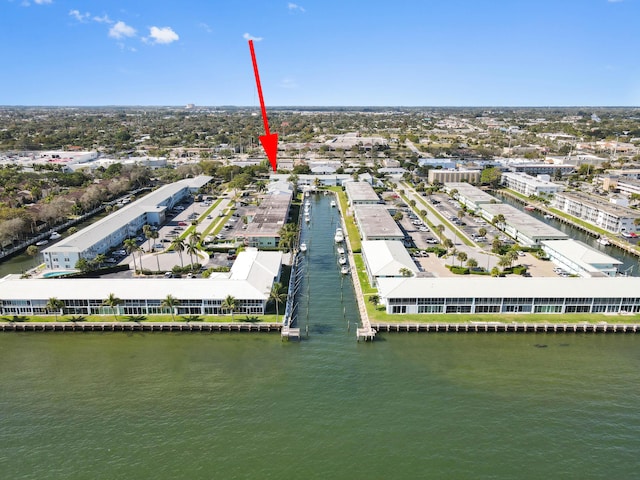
{"points": [[196, 327], [288, 333], [495, 327]]}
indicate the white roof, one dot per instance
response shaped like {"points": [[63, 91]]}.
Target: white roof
{"points": [[361, 192], [258, 268], [91, 235], [128, 288], [511, 287], [387, 257], [579, 253]]}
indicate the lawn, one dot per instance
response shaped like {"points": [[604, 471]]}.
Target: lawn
{"points": [[367, 289]]}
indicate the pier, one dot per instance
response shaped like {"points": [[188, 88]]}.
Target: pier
{"points": [[494, 327], [196, 327]]}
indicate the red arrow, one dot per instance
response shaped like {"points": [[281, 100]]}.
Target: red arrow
{"points": [[269, 141]]}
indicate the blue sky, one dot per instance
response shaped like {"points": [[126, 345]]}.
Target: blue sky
{"points": [[321, 52]]}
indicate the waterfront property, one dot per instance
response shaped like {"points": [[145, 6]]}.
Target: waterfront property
{"points": [[386, 259], [604, 214], [510, 295], [580, 259], [360, 193], [249, 283], [528, 185], [263, 229], [375, 223], [469, 196], [112, 230], [524, 228]]}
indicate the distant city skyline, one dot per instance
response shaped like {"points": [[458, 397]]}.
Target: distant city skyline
{"points": [[321, 52]]}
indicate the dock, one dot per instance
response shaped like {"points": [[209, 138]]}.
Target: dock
{"points": [[288, 333], [195, 327], [495, 327]]}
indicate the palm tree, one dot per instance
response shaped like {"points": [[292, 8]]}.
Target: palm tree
{"points": [[146, 230], [131, 247], [153, 234], [112, 301], [405, 272], [230, 304], [482, 232], [54, 305], [278, 295], [99, 259], [447, 243], [504, 261], [192, 249], [512, 255], [178, 245], [440, 229], [462, 256], [472, 263], [171, 303]]}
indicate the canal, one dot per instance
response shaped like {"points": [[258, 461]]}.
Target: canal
{"points": [[630, 266], [326, 295]]}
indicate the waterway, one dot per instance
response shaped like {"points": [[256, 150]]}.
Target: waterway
{"points": [[630, 263], [201, 406]]}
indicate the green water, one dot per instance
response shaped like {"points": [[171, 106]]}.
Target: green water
{"points": [[202, 406]]}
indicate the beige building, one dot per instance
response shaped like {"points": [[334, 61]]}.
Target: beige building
{"points": [[446, 176]]}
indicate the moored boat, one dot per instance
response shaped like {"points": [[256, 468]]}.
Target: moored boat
{"points": [[344, 270], [340, 250], [303, 247], [548, 217], [604, 241], [529, 208], [54, 236], [333, 203], [342, 260]]}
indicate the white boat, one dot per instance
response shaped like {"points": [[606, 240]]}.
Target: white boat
{"points": [[303, 247], [344, 270], [54, 236], [548, 217], [333, 203], [42, 242], [604, 241], [342, 260], [339, 237], [307, 218], [307, 204], [340, 250]]}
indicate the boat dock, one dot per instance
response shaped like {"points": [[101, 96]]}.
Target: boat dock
{"points": [[494, 327], [197, 327]]}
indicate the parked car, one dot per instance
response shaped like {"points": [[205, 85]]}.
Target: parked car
{"points": [[182, 224]]}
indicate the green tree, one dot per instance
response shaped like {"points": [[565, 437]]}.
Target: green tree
{"points": [[56, 306], [482, 232], [472, 263], [112, 302], [179, 246], [170, 302], [491, 176], [229, 304], [462, 257], [374, 299], [405, 272], [131, 247], [277, 295], [440, 230], [32, 251]]}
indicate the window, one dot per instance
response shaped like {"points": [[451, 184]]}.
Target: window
{"points": [[399, 309]]}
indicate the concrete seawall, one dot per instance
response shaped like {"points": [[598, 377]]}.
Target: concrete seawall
{"points": [[204, 327], [507, 327]]}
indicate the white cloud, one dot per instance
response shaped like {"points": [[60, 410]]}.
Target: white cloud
{"points": [[615, 1], [295, 7], [103, 19], [248, 36], [81, 17], [163, 35], [121, 30], [43, 2], [205, 27]]}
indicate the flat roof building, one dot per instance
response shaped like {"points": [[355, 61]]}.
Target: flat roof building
{"points": [[510, 295], [249, 283], [112, 230], [470, 196], [360, 193], [580, 259], [524, 228], [445, 176], [604, 214], [263, 229], [528, 185], [375, 223]]}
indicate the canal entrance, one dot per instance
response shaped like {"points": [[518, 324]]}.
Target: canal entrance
{"points": [[326, 303]]}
